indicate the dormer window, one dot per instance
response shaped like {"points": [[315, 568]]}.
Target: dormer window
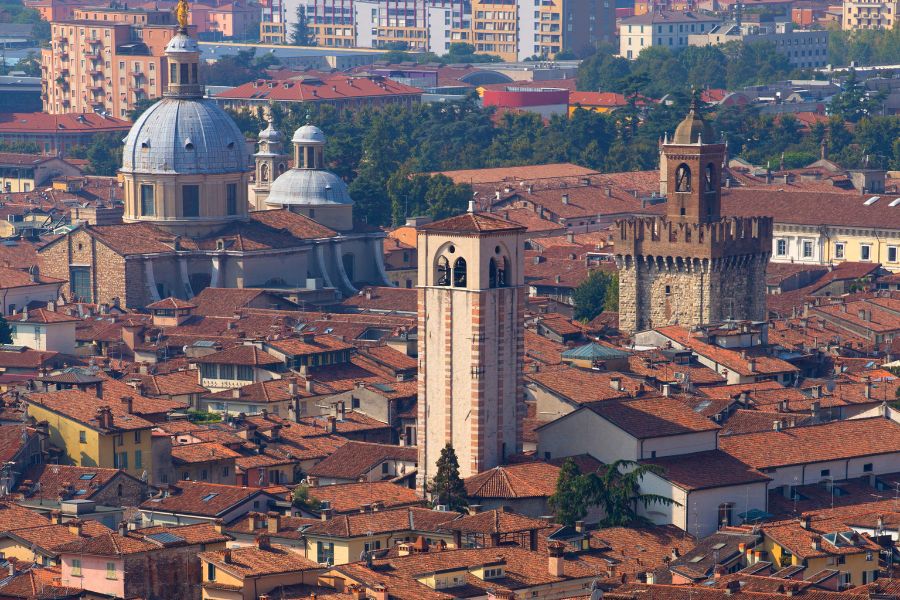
{"points": [[188, 144]]}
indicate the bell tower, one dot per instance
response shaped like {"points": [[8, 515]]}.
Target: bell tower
{"points": [[471, 341], [271, 161], [692, 266], [691, 165]]}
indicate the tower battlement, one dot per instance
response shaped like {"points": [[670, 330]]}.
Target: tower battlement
{"points": [[658, 236]]}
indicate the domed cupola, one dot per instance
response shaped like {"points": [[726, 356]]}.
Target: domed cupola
{"points": [[308, 188], [184, 163]]}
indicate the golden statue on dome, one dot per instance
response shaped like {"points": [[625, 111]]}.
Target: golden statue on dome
{"points": [[181, 13]]}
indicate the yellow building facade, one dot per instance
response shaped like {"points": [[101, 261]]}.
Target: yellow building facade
{"points": [[856, 568], [84, 445]]}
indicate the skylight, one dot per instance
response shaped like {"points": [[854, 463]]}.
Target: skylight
{"points": [[87, 476], [208, 497], [871, 200]]}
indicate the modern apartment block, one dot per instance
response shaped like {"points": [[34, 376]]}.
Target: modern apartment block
{"points": [[512, 29], [869, 14], [667, 28], [804, 48], [105, 60]]}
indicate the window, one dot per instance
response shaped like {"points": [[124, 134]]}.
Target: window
{"points": [[210, 572], [892, 254], [781, 247], [826, 473], [225, 471], [148, 206], [81, 283], [138, 459], [384, 468], [190, 201], [120, 460], [839, 250], [683, 178], [868, 558], [865, 252], [231, 199], [110, 570], [807, 249], [82, 437], [325, 553], [245, 373], [137, 437], [76, 567], [867, 468], [725, 514]]}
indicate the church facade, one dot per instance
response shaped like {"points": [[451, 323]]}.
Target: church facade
{"points": [[691, 266], [188, 223]]}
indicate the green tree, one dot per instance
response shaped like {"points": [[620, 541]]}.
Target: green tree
{"points": [[571, 499], [301, 33], [104, 155], [5, 331], [371, 202], [590, 297], [300, 498], [235, 69], [140, 107], [447, 487], [617, 490], [854, 102], [30, 64]]}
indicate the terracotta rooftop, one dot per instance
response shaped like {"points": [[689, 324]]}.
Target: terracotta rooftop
{"points": [[17, 278], [838, 440], [349, 497], [83, 408], [382, 521], [705, 470], [244, 355], [355, 459], [54, 479], [525, 480], [472, 223], [646, 418], [170, 303], [200, 498], [337, 87], [754, 363], [309, 345], [582, 386], [201, 453]]}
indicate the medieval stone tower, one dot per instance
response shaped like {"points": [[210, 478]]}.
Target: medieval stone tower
{"points": [[471, 341], [692, 265]]}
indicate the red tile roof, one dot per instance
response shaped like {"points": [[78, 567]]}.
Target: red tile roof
{"points": [[339, 87], [349, 497], [838, 440], [241, 355], [382, 521], [705, 470], [83, 408], [646, 418], [170, 303], [200, 498], [355, 459], [251, 561], [761, 364], [14, 278], [42, 315], [472, 223], [525, 480], [39, 122], [201, 453]]}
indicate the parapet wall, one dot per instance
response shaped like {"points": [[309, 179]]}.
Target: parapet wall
{"points": [[657, 236]]}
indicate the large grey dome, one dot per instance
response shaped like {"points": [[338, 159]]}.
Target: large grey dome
{"points": [[308, 187], [178, 135]]}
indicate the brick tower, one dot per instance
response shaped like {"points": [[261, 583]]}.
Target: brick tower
{"points": [[471, 341], [692, 265]]}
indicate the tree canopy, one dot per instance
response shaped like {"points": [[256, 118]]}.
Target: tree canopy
{"points": [[597, 293], [447, 487], [239, 68]]}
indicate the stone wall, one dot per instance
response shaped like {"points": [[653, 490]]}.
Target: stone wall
{"points": [[655, 292]]}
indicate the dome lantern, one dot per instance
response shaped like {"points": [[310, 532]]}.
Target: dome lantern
{"points": [[183, 57], [309, 148]]}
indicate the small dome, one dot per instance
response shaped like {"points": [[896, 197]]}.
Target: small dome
{"points": [[190, 135], [270, 134], [308, 187], [309, 134], [693, 130], [182, 43]]}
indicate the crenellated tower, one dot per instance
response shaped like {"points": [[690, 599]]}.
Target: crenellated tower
{"points": [[693, 265]]}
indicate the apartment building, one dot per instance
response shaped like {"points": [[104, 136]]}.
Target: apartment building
{"points": [[105, 60], [512, 29], [868, 14], [804, 48], [671, 29]]}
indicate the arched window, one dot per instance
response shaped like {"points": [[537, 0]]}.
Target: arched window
{"points": [[459, 273], [710, 177], [683, 178], [264, 172], [443, 271]]}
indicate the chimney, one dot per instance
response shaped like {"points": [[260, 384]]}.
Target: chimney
{"points": [[718, 571], [649, 578], [616, 383], [356, 592], [751, 364], [75, 527], [332, 426], [776, 424], [666, 390], [128, 401], [816, 542], [731, 587], [675, 554], [565, 199], [274, 522], [226, 556], [326, 514], [867, 389], [55, 516], [579, 526], [379, 592], [309, 386], [219, 526], [130, 335], [804, 521], [262, 542], [555, 562], [570, 237], [123, 528]]}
